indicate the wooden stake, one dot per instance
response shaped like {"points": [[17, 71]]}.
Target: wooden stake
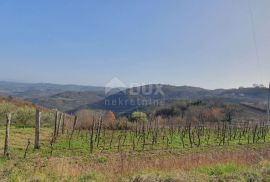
{"points": [[37, 131], [55, 124], [8, 121], [73, 129], [59, 124], [63, 124], [26, 149]]}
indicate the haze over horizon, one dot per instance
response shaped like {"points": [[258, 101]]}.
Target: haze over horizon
{"points": [[208, 44], [127, 85]]}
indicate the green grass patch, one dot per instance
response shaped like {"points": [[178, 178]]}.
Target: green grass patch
{"points": [[220, 169]]}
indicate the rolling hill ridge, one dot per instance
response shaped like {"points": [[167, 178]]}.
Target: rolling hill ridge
{"points": [[71, 98]]}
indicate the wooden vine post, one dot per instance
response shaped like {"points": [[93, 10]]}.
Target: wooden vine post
{"points": [[55, 124], [59, 124], [72, 132], [37, 129], [8, 121], [63, 124]]}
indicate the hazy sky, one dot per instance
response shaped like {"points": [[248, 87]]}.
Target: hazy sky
{"points": [[207, 43]]}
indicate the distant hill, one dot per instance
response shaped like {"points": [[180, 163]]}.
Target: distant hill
{"points": [[135, 99], [71, 98], [62, 97], [139, 97], [36, 90], [17, 102]]}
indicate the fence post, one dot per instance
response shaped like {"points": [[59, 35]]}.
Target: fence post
{"points": [[8, 120], [55, 124], [59, 124], [37, 129], [63, 124]]}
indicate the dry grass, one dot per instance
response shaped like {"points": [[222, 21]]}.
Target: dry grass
{"points": [[115, 166], [126, 164]]}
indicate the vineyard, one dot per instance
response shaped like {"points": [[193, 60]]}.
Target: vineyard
{"points": [[141, 136], [72, 135], [34, 139]]}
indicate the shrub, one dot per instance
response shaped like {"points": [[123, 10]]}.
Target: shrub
{"points": [[25, 116], [139, 116], [109, 119], [6, 107]]}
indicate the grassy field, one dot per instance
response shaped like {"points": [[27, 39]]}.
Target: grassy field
{"points": [[234, 162]]}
